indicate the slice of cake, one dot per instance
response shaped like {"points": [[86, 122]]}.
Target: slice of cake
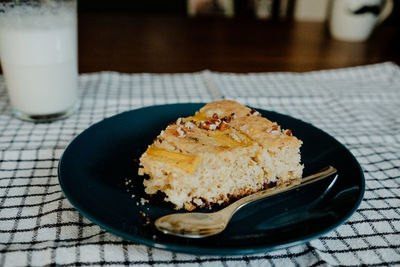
{"points": [[224, 151]]}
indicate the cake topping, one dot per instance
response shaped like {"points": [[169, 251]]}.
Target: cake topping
{"points": [[157, 140], [273, 129], [229, 118], [180, 132], [211, 124], [288, 132], [255, 113], [190, 125], [223, 126], [216, 123]]}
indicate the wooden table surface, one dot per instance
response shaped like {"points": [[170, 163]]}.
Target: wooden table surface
{"points": [[171, 44]]}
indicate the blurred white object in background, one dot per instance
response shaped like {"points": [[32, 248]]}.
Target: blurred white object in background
{"points": [[263, 8], [355, 20], [38, 52], [311, 10]]}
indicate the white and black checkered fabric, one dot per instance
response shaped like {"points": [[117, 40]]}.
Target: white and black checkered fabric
{"points": [[359, 106]]}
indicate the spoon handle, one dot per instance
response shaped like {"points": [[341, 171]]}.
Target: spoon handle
{"points": [[231, 209]]}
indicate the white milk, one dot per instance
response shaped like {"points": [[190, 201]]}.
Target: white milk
{"points": [[38, 53]]}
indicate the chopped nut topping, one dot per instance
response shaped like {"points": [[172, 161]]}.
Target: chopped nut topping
{"points": [[223, 126], [190, 125], [274, 128], [211, 124], [179, 121], [255, 113], [157, 140], [205, 125], [215, 121], [229, 118], [180, 132], [288, 132]]}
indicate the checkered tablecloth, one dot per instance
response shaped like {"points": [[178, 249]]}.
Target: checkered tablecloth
{"points": [[359, 106]]}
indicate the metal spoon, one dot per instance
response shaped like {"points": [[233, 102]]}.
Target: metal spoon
{"points": [[196, 224]]}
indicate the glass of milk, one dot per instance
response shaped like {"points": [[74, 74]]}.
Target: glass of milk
{"points": [[38, 54]]}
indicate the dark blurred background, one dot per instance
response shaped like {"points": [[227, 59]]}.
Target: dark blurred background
{"points": [[243, 8], [166, 37], [161, 36]]}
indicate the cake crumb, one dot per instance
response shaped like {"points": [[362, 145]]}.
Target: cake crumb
{"points": [[143, 201], [141, 171], [198, 201]]}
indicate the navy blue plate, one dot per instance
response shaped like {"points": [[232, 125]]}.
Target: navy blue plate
{"points": [[98, 175]]}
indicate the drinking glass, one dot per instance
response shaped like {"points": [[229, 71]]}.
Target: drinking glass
{"points": [[38, 53]]}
